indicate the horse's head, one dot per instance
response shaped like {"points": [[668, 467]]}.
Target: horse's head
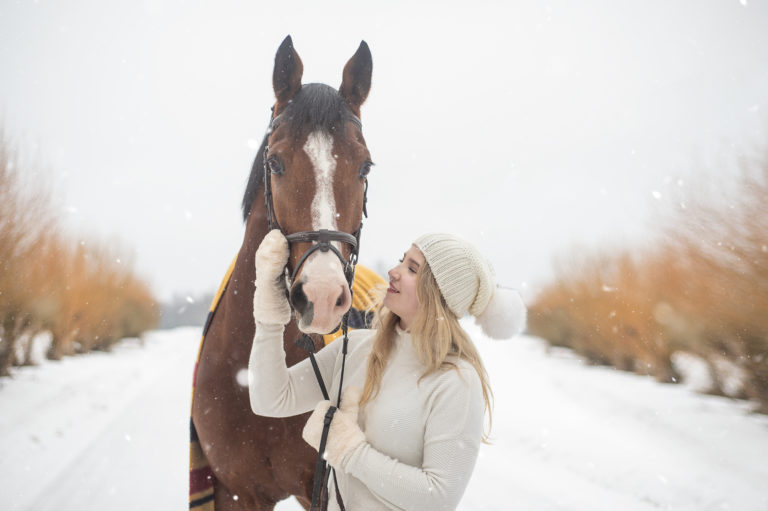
{"points": [[316, 160]]}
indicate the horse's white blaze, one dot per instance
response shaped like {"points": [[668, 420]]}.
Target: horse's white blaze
{"points": [[319, 148]]}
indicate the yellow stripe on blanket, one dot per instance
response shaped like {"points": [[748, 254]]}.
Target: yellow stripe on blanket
{"points": [[201, 477]]}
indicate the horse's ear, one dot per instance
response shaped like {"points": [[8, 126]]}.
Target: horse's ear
{"points": [[356, 80], [286, 79]]}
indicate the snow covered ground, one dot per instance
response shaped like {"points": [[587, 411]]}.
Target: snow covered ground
{"points": [[109, 432]]}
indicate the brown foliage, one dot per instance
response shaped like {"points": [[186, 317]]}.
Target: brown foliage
{"points": [[84, 293], [98, 300], [23, 220], [703, 290], [722, 236], [603, 307]]}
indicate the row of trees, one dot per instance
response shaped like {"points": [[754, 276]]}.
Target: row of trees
{"points": [[80, 291], [701, 291]]}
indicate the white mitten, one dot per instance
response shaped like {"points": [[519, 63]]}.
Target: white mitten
{"points": [[344, 435], [270, 300]]}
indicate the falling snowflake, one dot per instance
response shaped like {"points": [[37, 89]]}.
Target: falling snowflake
{"points": [[242, 377]]}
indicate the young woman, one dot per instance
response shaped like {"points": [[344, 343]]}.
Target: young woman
{"points": [[415, 390]]}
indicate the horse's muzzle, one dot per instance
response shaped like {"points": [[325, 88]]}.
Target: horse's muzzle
{"points": [[320, 304]]}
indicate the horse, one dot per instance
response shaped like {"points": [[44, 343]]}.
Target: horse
{"points": [[313, 164]]}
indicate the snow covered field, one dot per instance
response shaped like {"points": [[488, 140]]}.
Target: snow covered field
{"points": [[109, 432]]}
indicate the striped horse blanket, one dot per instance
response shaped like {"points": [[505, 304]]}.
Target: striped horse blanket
{"points": [[201, 477]]}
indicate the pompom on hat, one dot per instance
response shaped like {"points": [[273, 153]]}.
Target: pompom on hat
{"points": [[468, 284]]}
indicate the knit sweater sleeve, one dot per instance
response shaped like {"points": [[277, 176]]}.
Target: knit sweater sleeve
{"points": [[276, 390], [451, 443]]}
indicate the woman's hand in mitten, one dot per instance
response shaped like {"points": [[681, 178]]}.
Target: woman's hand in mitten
{"points": [[270, 300], [344, 435]]}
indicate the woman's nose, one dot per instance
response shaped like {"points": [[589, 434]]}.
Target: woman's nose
{"points": [[392, 274]]}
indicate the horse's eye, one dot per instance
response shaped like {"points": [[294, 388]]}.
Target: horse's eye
{"points": [[275, 166], [366, 168]]}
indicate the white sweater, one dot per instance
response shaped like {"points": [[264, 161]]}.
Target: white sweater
{"points": [[422, 438]]}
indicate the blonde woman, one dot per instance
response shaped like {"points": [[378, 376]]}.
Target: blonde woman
{"points": [[415, 389]]}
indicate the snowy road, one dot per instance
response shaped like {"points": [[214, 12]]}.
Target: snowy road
{"points": [[109, 432]]}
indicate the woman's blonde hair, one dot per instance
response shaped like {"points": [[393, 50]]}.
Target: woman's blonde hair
{"points": [[437, 336]]}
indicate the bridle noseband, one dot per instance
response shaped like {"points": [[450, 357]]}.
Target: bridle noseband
{"points": [[323, 237]]}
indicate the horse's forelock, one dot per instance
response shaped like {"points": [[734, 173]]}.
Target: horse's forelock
{"points": [[316, 107]]}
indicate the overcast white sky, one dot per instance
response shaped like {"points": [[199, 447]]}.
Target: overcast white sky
{"points": [[530, 128]]}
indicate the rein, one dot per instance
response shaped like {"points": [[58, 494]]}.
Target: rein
{"points": [[322, 240]]}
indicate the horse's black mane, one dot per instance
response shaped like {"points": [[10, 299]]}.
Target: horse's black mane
{"points": [[315, 107]]}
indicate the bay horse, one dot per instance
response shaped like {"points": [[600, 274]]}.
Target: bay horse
{"points": [[316, 160]]}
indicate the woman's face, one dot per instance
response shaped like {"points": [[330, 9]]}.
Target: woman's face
{"points": [[402, 297]]}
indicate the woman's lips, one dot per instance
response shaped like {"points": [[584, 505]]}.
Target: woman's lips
{"points": [[392, 290]]}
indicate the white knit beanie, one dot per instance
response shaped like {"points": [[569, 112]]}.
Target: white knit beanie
{"points": [[468, 284]]}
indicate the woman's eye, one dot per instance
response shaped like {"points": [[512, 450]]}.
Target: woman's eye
{"points": [[275, 166], [366, 168], [413, 270]]}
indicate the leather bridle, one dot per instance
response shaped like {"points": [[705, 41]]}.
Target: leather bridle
{"points": [[323, 239]]}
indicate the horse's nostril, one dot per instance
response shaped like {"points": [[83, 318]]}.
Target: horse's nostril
{"points": [[299, 298], [341, 301]]}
